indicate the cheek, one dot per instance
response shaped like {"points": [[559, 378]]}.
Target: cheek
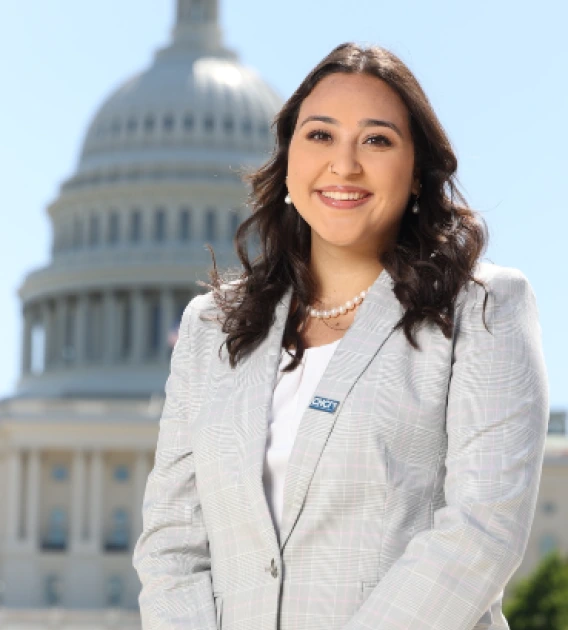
{"points": [[294, 155], [395, 178], [400, 165], [299, 172]]}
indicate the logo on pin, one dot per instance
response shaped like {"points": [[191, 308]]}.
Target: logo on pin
{"points": [[324, 404]]}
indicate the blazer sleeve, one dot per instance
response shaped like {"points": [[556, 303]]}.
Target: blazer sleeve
{"points": [[172, 553], [496, 423]]}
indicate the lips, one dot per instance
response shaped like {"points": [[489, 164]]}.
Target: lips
{"points": [[343, 197]]}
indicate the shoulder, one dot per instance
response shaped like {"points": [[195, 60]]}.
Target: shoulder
{"points": [[201, 304], [499, 291], [502, 279], [500, 283], [201, 312], [204, 311]]}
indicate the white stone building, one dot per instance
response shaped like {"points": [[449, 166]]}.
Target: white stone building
{"points": [[159, 175]]}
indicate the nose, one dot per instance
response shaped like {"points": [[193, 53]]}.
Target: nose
{"points": [[345, 161]]}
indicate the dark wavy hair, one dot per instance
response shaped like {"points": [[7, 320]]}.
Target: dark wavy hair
{"points": [[435, 252]]}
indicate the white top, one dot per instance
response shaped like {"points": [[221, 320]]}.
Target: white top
{"points": [[292, 395]]}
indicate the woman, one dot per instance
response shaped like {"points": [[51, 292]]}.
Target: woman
{"points": [[353, 431]]}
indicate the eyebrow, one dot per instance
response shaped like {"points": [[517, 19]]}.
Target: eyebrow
{"points": [[366, 122]]}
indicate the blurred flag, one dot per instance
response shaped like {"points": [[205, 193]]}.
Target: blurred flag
{"points": [[173, 335]]}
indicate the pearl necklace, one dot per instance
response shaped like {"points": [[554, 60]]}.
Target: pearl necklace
{"points": [[339, 310]]}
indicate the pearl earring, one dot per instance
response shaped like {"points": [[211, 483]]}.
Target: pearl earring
{"points": [[288, 199], [416, 207]]}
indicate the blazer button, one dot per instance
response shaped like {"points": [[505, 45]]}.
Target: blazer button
{"points": [[273, 569]]}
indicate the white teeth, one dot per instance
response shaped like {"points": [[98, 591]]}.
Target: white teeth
{"points": [[343, 196]]}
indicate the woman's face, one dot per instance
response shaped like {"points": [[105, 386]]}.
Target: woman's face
{"points": [[351, 163]]}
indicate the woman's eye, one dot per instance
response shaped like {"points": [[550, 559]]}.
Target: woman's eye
{"points": [[380, 141], [319, 135]]}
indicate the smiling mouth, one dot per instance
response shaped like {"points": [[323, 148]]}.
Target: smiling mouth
{"points": [[343, 196], [344, 199]]}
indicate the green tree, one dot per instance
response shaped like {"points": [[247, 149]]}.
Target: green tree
{"points": [[540, 601]]}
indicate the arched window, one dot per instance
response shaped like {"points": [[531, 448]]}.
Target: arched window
{"points": [[185, 231], [135, 226], [119, 535], [208, 123], [132, 125], [210, 225], [160, 225], [228, 125], [149, 123], [113, 228], [247, 127], [188, 122], [56, 534], [168, 123]]}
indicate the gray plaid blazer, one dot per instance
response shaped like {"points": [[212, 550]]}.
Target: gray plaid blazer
{"points": [[409, 507]]}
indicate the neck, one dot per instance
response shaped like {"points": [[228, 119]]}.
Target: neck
{"points": [[341, 273]]}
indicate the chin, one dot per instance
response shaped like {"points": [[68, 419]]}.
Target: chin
{"points": [[342, 240], [344, 231]]}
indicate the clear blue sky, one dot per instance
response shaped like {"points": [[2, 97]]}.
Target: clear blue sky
{"points": [[495, 71]]}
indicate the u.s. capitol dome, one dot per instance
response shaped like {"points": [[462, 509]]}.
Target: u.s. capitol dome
{"points": [[159, 175], [196, 110]]}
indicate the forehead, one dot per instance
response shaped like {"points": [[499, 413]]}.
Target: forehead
{"points": [[352, 97]]}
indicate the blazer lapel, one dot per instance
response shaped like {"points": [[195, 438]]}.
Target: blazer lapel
{"points": [[372, 326], [254, 381]]}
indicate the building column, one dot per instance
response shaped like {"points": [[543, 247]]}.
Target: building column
{"points": [[48, 320], [139, 337], [96, 502], [78, 494], [27, 340], [80, 341], [50, 334], [47, 339], [123, 330], [14, 521], [167, 308], [141, 471], [110, 328], [32, 500], [61, 324]]}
